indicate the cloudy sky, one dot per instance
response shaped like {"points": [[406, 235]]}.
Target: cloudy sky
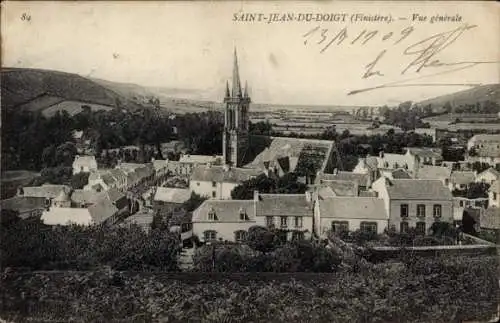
{"points": [[190, 45]]}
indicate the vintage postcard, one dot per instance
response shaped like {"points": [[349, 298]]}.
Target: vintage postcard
{"points": [[227, 161]]}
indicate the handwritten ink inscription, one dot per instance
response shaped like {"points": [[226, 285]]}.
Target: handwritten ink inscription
{"points": [[422, 54], [25, 17]]}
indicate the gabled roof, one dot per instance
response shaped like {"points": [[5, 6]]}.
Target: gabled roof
{"points": [[360, 179], [400, 174], [86, 197], [65, 216], [220, 174], [434, 172], [199, 159], [417, 189], [492, 171], [172, 195], [46, 190], [22, 204], [102, 210], [225, 210], [485, 137], [341, 187], [88, 161], [364, 208], [463, 177], [425, 152], [283, 205]]}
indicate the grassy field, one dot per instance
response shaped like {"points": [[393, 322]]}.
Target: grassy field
{"points": [[11, 180]]}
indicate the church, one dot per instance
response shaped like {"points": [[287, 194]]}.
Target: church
{"points": [[246, 156]]}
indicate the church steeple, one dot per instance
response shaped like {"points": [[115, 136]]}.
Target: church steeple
{"points": [[236, 77], [245, 93], [227, 90]]}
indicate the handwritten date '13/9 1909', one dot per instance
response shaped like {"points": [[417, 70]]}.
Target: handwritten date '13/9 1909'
{"points": [[422, 52]]}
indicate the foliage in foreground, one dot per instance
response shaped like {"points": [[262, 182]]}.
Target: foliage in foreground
{"points": [[29, 243], [297, 256], [424, 290]]}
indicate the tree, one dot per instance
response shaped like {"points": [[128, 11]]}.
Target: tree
{"points": [[261, 239], [288, 184], [79, 180], [194, 202]]}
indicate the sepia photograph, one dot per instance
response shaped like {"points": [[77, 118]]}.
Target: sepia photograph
{"points": [[250, 161]]}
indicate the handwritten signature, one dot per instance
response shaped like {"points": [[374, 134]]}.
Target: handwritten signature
{"points": [[424, 55]]}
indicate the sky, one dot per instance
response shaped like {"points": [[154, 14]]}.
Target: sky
{"points": [[189, 45]]}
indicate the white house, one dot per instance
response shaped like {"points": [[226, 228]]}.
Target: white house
{"points": [[488, 176], [350, 214], [461, 179], [440, 173], [415, 202], [84, 164], [230, 219], [218, 182], [494, 194]]}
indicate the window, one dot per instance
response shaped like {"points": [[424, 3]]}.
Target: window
{"points": [[340, 226], [211, 215], [298, 235], [284, 221], [210, 235], [197, 183], [421, 210], [368, 227], [494, 196], [214, 194], [214, 184], [437, 210], [298, 222], [461, 203], [269, 221], [243, 215], [404, 210], [420, 228], [403, 227], [240, 235]]}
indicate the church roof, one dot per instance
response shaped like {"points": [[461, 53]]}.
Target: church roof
{"points": [[220, 174]]}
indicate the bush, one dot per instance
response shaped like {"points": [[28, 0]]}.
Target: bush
{"points": [[29, 243]]}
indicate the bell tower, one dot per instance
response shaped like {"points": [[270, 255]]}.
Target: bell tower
{"points": [[236, 121]]}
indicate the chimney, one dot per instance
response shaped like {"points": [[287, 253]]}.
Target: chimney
{"points": [[209, 165], [256, 196], [226, 167], [381, 154], [335, 171]]}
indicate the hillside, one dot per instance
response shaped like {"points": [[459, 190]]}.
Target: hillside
{"points": [[37, 90], [488, 92]]}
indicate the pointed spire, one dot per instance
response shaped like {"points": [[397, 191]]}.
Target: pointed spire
{"points": [[245, 93], [236, 77], [227, 90]]}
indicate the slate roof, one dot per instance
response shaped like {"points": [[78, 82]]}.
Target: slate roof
{"points": [[417, 189], [369, 208], [463, 177], [360, 179], [65, 216], [85, 197], [102, 210], [218, 174], [225, 210], [341, 187], [434, 172], [400, 174], [325, 192], [172, 195], [283, 205], [46, 190], [294, 149], [425, 152], [199, 159], [22, 203]]}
